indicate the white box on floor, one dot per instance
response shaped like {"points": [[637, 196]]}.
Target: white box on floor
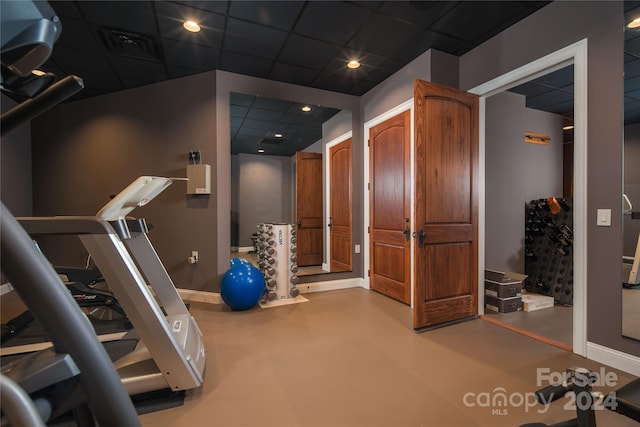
{"points": [[533, 302]]}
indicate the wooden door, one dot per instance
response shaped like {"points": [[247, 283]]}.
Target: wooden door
{"points": [[309, 208], [390, 207], [446, 204], [340, 187]]}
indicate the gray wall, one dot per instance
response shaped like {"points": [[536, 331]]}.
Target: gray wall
{"points": [[15, 169], [565, 23], [515, 173], [433, 66], [87, 150], [264, 187]]}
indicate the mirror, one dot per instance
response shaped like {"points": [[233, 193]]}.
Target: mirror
{"points": [[280, 174], [631, 183]]}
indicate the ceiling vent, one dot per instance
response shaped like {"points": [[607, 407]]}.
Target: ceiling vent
{"points": [[129, 44]]}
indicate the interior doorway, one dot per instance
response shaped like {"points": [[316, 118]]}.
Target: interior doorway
{"points": [[576, 55], [524, 174]]}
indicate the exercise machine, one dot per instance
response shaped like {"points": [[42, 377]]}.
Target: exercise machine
{"points": [[165, 347], [78, 372], [89, 289], [579, 381], [31, 390]]}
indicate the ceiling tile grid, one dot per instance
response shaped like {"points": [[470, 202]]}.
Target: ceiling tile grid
{"points": [[116, 45], [301, 42]]}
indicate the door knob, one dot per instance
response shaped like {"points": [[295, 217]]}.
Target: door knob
{"points": [[421, 236], [406, 232]]}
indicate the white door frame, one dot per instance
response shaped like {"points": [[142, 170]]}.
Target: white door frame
{"points": [[575, 54], [327, 199], [401, 108]]}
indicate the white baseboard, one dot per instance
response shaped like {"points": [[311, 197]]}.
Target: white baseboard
{"points": [[5, 288], [245, 248], [305, 288], [614, 358], [200, 296], [330, 285]]}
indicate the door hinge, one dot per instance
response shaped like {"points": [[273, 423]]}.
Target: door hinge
{"points": [[369, 229], [369, 142], [368, 273], [368, 186]]}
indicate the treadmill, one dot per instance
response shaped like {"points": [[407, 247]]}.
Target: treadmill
{"points": [[165, 348]]}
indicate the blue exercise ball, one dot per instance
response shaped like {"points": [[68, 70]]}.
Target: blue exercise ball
{"points": [[239, 261], [242, 286]]}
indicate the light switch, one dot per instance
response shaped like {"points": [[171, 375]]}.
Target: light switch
{"points": [[357, 249], [604, 217]]}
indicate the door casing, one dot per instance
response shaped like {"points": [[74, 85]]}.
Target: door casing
{"points": [[327, 196]]}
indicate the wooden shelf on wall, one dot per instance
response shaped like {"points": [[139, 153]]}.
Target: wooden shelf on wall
{"points": [[536, 138]]}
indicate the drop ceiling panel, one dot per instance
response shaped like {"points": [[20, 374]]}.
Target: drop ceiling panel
{"points": [[264, 115], [270, 103], [293, 74], [472, 20], [138, 68], [308, 52], [422, 13], [335, 24], [244, 64], [76, 35], [192, 56], [278, 14], [93, 60], [253, 39], [383, 35], [632, 68], [217, 6], [121, 15]]}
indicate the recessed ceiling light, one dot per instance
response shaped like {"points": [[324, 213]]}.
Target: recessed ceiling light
{"points": [[353, 64], [634, 24], [278, 135], [306, 108], [191, 26], [261, 150], [568, 127]]}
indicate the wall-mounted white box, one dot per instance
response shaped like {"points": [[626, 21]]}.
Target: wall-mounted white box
{"points": [[199, 179]]}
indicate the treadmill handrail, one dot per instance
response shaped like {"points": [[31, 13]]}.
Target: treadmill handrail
{"points": [[65, 225]]}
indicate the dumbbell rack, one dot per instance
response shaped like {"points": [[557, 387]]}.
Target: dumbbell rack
{"points": [[277, 260], [549, 250]]}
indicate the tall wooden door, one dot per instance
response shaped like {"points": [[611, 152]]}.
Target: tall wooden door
{"points": [[309, 208], [390, 207], [446, 204], [340, 187]]}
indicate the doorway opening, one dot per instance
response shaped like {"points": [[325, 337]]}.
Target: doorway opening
{"points": [[572, 55]]}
